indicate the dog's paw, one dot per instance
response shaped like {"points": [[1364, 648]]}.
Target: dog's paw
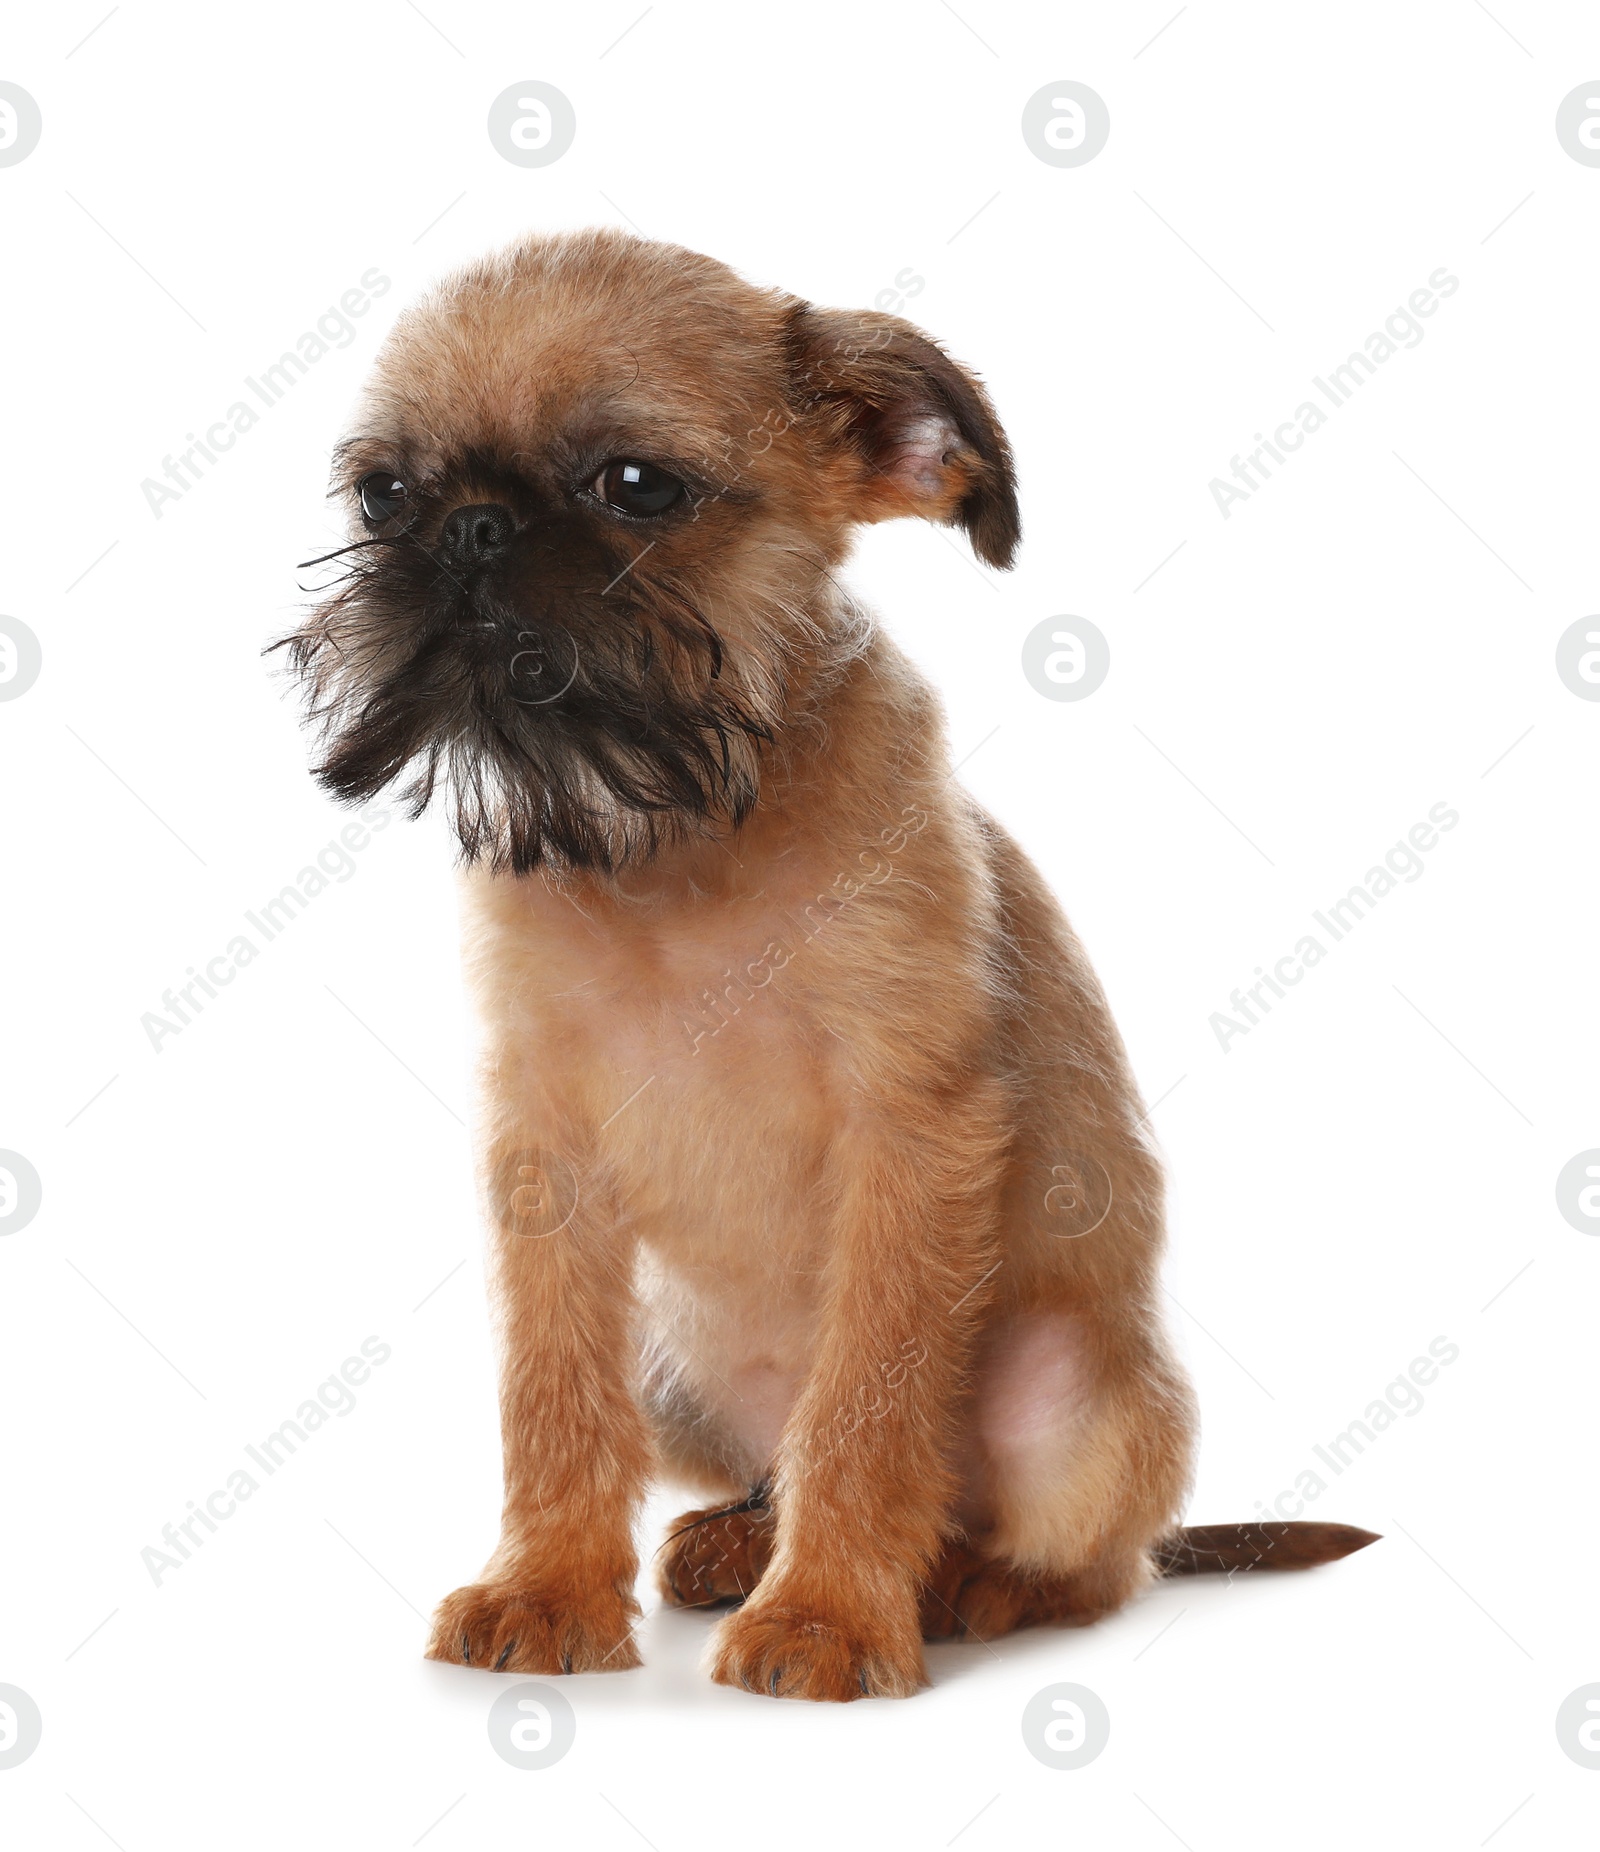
{"points": [[715, 1555], [507, 1628], [785, 1651], [967, 1595]]}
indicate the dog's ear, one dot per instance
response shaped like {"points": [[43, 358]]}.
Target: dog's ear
{"points": [[922, 426]]}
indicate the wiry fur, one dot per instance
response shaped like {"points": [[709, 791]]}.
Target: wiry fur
{"points": [[415, 681], [811, 1151]]}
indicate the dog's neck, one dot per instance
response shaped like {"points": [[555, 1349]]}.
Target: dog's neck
{"points": [[864, 742]]}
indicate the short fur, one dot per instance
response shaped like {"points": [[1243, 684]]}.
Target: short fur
{"points": [[817, 1175]]}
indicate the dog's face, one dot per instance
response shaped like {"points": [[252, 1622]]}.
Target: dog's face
{"points": [[596, 488]]}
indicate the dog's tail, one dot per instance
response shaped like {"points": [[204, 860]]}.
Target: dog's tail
{"points": [[1221, 1549]]}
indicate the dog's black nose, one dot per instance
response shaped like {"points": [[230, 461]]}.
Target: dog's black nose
{"points": [[470, 535]]}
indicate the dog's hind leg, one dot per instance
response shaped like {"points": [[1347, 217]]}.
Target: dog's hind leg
{"points": [[969, 1595], [1078, 1467]]}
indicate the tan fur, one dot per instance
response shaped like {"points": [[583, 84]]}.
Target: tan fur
{"points": [[789, 1129], [821, 1169]]}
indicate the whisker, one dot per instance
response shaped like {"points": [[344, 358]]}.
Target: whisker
{"points": [[355, 546]]}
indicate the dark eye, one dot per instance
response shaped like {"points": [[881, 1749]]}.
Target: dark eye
{"points": [[638, 488], [382, 494]]}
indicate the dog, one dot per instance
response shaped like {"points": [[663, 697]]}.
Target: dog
{"points": [[817, 1175]]}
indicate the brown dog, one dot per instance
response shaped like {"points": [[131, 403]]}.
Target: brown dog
{"points": [[817, 1174]]}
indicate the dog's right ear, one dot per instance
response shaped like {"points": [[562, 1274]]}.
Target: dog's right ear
{"points": [[920, 426]]}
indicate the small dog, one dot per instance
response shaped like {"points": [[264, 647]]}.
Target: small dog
{"points": [[818, 1177]]}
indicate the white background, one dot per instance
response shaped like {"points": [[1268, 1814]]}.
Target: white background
{"points": [[1362, 639]]}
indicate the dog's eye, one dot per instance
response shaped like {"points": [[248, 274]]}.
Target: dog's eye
{"points": [[638, 488], [382, 494]]}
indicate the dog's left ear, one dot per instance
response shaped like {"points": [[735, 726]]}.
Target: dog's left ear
{"points": [[923, 426]]}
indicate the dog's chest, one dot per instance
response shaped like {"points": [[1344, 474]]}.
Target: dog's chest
{"points": [[688, 1044]]}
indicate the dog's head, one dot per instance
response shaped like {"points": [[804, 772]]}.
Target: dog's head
{"points": [[595, 487]]}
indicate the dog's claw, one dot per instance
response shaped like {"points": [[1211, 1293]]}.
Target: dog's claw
{"points": [[466, 1651], [499, 1664], [862, 1679], [775, 1681], [566, 1664]]}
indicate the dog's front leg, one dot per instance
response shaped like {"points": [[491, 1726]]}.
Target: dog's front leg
{"points": [[557, 1595], [862, 1486]]}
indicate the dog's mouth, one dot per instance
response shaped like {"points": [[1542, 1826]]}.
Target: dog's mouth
{"points": [[560, 715]]}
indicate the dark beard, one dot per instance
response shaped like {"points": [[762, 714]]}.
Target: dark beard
{"points": [[586, 730]]}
